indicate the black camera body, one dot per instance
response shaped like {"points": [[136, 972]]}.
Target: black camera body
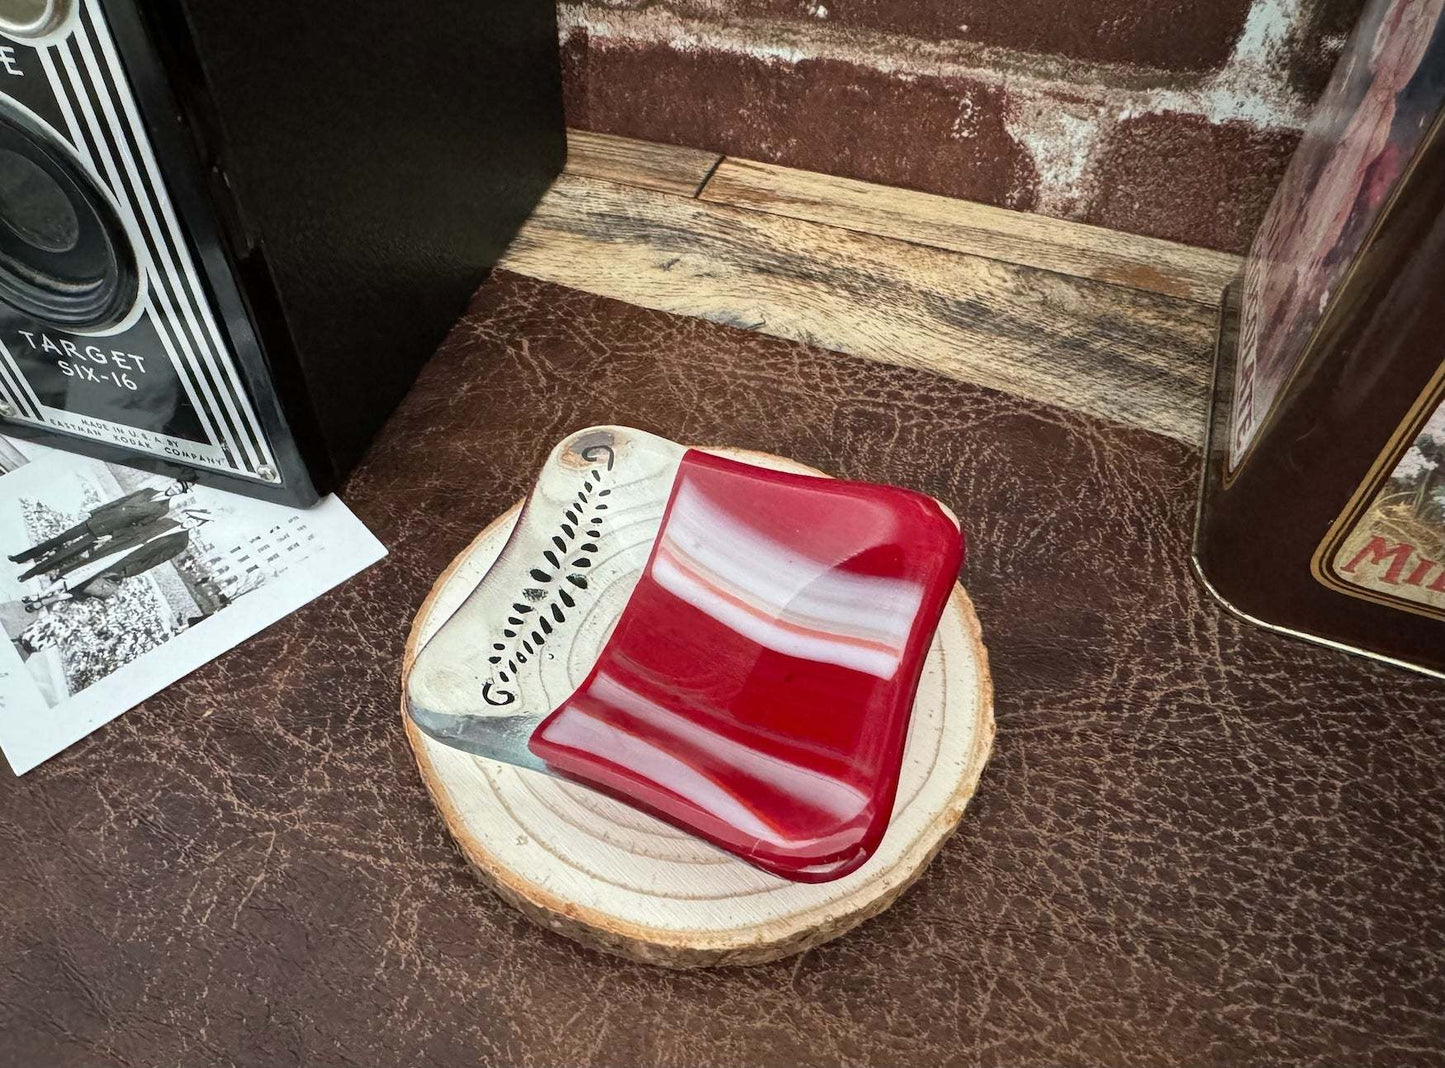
{"points": [[232, 230]]}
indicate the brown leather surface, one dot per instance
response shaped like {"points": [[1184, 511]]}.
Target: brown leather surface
{"points": [[1197, 842]]}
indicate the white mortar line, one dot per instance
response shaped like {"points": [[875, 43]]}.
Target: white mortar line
{"points": [[1062, 111]]}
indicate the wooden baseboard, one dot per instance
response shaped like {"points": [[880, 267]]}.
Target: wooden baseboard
{"points": [[1109, 324]]}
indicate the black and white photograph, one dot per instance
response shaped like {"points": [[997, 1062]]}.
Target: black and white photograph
{"points": [[114, 579]]}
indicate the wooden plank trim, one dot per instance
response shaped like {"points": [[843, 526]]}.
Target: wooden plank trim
{"points": [[642, 164], [976, 229], [1129, 356]]}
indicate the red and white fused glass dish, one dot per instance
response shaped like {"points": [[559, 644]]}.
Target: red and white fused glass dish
{"points": [[755, 675]]}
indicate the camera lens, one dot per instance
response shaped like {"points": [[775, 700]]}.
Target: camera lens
{"points": [[65, 259], [28, 19], [34, 207]]}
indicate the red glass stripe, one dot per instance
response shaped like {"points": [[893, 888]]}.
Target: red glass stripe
{"points": [[757, 688]]}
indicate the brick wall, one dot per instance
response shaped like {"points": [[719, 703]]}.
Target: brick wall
{"points": [[1166, 117]]}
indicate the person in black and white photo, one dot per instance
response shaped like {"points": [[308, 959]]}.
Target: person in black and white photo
{"points": [[108, 568], [159, 542], [126, 522]]}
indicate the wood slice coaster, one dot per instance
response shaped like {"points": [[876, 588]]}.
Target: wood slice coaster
{"points": [[618, 880]]}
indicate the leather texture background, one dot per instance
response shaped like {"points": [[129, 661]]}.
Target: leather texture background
{"points": [[1196, 843]]}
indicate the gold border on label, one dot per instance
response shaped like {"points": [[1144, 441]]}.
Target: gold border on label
{"points": [[1321, 564]]}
